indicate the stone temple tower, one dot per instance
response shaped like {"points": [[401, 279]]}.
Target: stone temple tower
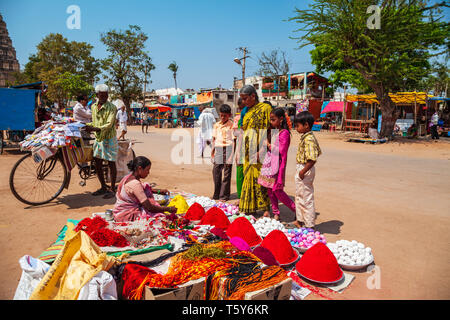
{"points": [[8, 60]]}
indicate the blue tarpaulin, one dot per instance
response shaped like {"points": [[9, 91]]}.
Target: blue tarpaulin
{"points": [[17, 109]]}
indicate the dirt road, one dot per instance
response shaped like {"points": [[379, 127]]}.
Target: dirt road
{"points": [[392, 197]]}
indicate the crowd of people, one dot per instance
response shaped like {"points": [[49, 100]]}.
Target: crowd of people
{"points": [[260, 172], [256, 141]]}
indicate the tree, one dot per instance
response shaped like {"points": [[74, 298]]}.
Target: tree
{"points": [[72, 85], [438, 81], [126, 63], [378, 59], [57, 58], [275, 65], [174, 68]]}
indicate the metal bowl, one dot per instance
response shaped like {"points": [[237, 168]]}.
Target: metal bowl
{"points": [[356, 267]]}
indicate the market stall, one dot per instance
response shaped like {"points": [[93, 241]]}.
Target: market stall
{"points": [[204, 251], [412, 109]]}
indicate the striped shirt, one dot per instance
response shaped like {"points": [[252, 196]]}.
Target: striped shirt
{"points": [[308, 148], [105, 119]]}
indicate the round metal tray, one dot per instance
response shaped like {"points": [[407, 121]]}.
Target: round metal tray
{"points": [[357, 267], [333, 282]]}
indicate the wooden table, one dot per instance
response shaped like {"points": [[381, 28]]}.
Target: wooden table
{"points": [[360, 125]]}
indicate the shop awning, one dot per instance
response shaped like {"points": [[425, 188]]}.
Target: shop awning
{"points": [[397, 98], [335, 106], [158, 107]]}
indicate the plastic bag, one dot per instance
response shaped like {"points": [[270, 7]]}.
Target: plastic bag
{"points": [[101, 287], [33, 270], [77, 263]]}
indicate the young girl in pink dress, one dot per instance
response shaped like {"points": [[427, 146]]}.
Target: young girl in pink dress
{"points": [[273, 171]]}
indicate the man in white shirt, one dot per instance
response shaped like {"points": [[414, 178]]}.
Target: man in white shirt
{"points": [[122, 118], [81, 111], [206, 122]]}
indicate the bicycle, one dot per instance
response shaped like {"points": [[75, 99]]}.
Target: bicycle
{"points": [[36, 183]]}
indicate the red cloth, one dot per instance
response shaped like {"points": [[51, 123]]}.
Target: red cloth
{"points": [[132, 276]]}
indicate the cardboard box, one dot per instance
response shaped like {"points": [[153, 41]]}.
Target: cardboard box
{"points": [[280, 291], [149, 256], [192, 290]]}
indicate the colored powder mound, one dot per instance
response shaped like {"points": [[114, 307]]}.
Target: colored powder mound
{"points": [[220, 233], [277, 243], [240, 244], [265, 255], [180, 203], [318, 263], [215, 217], [195, 212], [242, 228]]}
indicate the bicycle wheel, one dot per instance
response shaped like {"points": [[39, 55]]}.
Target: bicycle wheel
{"points": [[37, 183]]}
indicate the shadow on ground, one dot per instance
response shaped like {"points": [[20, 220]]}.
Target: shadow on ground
{"points": [[77, 201]]}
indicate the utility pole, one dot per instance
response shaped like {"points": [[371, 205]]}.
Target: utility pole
{"points": [[245, 51], [343, 112], [145, 88], [243, 66]]}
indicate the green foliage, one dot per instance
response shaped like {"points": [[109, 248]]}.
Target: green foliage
{"points": [[379, 60], [73, 85], [64, 66], [126, 63]]}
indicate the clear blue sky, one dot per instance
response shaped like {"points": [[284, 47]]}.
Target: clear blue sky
{"points": [[200, 35]]}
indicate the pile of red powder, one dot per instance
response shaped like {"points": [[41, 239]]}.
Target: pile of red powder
{"points": [[195, 212], [277, 243], [318, 263], [242, 228], [215, 217], [102, 236]]}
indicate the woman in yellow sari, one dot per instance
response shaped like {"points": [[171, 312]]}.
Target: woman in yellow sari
{"points": [[255, 124]]}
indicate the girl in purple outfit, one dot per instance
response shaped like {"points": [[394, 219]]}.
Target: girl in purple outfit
{"points": [[274, 167]]}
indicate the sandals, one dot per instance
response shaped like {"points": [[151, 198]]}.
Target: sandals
{"points": [[109, 195], [100, 192]]}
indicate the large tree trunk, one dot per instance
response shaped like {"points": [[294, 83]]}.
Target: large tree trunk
{"points": [[389, 113]]}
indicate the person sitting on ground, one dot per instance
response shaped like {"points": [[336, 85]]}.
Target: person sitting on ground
{"points": [[412, 131], [135, 198]]}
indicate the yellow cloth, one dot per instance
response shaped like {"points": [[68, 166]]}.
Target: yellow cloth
{"points": [[180, 203], [255, 124], [76, 264], [308, 148]]}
